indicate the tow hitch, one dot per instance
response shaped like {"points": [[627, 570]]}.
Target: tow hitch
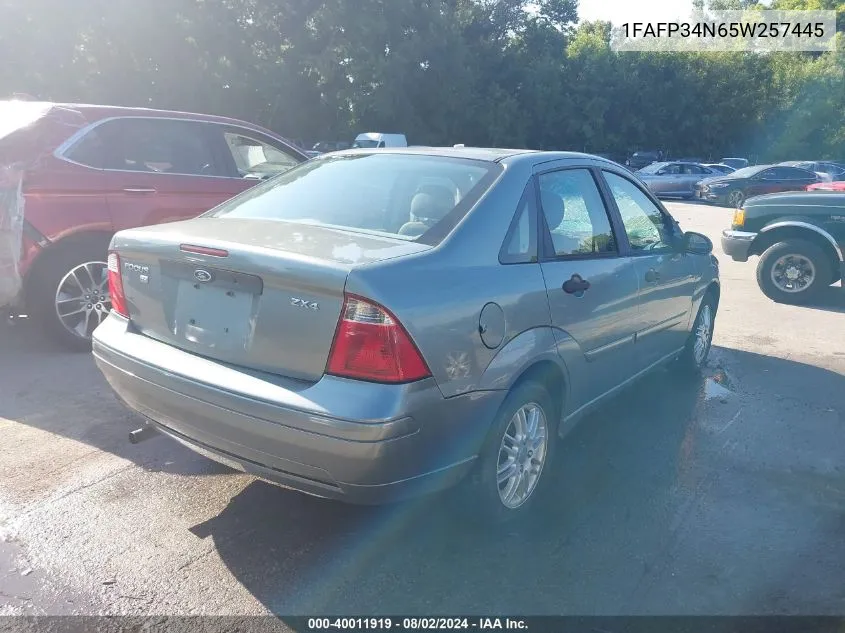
{"points": [[144, 433]]}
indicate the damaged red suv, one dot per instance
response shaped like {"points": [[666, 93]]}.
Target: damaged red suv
{"points": [[72, 175]]}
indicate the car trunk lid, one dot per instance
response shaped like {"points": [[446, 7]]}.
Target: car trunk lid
{"points": [[269, 299]]}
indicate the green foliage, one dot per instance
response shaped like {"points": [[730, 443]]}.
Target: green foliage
{"points": [[480, 72]]}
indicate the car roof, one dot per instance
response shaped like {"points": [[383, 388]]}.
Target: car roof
{"points": [[489, 154], [93, 112]]}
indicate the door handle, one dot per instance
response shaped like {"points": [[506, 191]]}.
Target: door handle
{"points": [[139, 190], [652, 276], [576, 284]]}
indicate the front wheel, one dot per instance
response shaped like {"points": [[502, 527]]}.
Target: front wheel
{"points": [[514, 464], [736, 198], [794, 271], [694, 357]]}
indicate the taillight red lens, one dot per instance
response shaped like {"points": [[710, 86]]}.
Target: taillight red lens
{"points": [[116, 294], [371, 344]]}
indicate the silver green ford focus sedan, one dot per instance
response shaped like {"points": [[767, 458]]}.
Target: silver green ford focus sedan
{"points": [[373, 325]]}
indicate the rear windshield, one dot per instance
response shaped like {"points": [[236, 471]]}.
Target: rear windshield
{"points": [[399, 195], [365, 143]]}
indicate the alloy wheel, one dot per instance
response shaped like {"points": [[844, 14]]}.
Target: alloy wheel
{"points": [[82, 298], [703, 334], [522, 455]]}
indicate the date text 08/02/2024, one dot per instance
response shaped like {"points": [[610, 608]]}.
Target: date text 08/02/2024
{"points": [[416, 624]]}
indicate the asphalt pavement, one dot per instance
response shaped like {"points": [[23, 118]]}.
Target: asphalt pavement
{"points": [[720, 495]]}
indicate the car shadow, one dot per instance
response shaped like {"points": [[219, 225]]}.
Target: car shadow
{"points": [[629, 484], [831, 299], [63, 393]]}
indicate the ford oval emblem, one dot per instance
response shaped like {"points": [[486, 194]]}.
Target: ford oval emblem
{"points": [[203, 276]]}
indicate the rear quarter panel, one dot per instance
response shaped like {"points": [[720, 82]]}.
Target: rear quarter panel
{"points": [[439, 295]]}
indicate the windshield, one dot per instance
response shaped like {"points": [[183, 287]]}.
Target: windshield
{"points": [[653, 168], [365, 143], [399, 195]]}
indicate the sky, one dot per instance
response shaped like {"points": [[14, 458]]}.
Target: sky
{"points": [[621, 11]]}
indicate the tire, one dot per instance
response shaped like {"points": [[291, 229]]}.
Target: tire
{"points": [[480, 494], [736, 198], [794, 257], [694, 357], [52, 282]]}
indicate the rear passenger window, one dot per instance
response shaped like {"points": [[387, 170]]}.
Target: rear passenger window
{"points": [[575, 214], [645, 225], [89, 150]]}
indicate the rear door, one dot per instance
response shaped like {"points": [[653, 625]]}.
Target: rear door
{"points": [[592, 289], [666, 276], [161, 170], [796, 179], [690, 175], [767, 181]]}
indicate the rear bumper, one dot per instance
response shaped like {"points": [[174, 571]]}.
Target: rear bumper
{"points": [[736, 244], [337, 438]]}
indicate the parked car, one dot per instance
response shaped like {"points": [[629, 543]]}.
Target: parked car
{"points": [[733, 189], [641, 159], [675, 178], [826, 170], [86, 172], [720, 168], [800, 238], [736, 163], [836, 185], [376, 328], [378, 140]]}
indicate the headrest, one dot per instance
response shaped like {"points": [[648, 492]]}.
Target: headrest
{"points": [[413, 229], [433, 203], [552, 207]]}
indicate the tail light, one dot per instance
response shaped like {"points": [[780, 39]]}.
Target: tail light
{"points": [[371, 344], [116, 294]]}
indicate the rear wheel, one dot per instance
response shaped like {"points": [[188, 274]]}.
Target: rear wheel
{"points": [[794, 271], [514, 464], [69, 295]]}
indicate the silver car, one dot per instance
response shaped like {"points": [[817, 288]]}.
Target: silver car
{"points": [[677, 179], [371, 326]]}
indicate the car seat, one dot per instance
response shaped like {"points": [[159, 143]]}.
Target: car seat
{"points": [[428, 207], [554, 209]]}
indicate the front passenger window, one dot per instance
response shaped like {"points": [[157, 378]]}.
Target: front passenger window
{"points": [[254, 157], [644, 223], [575, 213]]}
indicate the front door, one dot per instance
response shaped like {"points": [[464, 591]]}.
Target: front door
{"points": [[591, 288], [666, 276], [162, 170]]}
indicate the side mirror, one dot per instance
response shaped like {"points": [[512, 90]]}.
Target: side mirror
{"points": [[696, 243]]}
